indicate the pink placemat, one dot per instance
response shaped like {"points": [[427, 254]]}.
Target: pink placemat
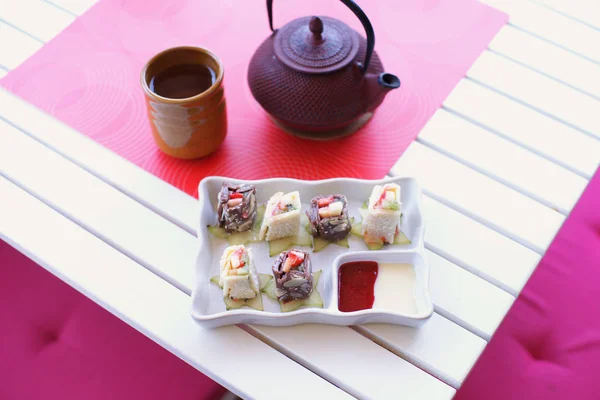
{"points": [[88, 77]]}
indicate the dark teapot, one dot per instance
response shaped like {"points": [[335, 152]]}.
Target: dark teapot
{"points": [[318, 76]]}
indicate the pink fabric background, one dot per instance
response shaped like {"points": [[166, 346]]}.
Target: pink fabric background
{"points": [[548, 346], [56, 344], [88, 77]]}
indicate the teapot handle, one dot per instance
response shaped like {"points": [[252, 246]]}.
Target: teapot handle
{"points": [[360, 14]]}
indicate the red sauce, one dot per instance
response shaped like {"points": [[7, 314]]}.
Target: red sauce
{"points": [[356, 290]]}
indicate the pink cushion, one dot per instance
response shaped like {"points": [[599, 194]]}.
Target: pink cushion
{"points": [[548, 346], [57, 344]]}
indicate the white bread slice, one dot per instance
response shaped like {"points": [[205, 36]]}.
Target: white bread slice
{"points": [[282, 225], [238, 287]]}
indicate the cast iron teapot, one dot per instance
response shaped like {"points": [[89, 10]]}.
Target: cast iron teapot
{"points": [[318, 76]]}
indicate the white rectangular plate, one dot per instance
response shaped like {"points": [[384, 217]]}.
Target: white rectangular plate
{"points": [[208, 307]]}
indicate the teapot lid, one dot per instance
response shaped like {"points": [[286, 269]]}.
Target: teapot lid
{"points": [[316, 44]]}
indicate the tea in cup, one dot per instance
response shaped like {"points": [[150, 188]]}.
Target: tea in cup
{"points": [[185, 98]]}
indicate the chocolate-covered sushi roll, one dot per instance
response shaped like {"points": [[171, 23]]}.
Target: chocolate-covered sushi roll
{"points": [[293, 275], [328, 216], [237, 207]]}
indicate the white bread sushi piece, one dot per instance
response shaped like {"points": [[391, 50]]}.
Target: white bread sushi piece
{"points": [[238, 278], [282, 216], [383, 213]]}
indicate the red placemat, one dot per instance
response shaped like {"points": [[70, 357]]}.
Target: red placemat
{"points": [[88, 77]]}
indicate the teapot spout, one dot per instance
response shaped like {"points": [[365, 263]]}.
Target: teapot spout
{"points": [[378, 86]]}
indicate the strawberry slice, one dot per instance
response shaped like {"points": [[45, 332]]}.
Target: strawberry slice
{"points": [[325, 202], [236, 196], [381, 198], [293, 259]]}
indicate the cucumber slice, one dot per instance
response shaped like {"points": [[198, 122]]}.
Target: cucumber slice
{"points": [[374, 244], [363, 212], [401, 238], [320, 243], [313, 301], [218, 232], [357, 229], [279, 245], [256, 303], [269, 290], [260, 213], [264, 280], [343, 242], [308, 229], [242, 238], [303, 238]]}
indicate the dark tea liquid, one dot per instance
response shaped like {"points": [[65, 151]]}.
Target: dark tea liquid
{"points": [[182, 81]]}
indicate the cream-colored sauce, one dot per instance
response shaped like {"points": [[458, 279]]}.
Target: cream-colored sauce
{"points": [[395, 288]]}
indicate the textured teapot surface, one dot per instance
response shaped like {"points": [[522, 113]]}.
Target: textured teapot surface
{"points": [[298, 93], [316, 74]]}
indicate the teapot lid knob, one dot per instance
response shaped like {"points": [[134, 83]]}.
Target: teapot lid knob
{"points": [[316, 27]]}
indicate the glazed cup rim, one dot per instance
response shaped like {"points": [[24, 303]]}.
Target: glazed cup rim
{"points": [[208, 92]]}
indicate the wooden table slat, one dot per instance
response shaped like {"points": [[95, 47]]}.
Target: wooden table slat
{"points": [[587, 11], [548, 59], [15, 46], [477, 248], [76, 7], [480, 197], [504, 161], [551, 26], [518, 123], [456, 352], [36, 17], [542, 93], [465, 298]]}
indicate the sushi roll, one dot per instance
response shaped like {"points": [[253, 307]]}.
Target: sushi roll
{"points": [[238, 278], [383, 213], [237, 207], [282, 216], [328, 216], [293, 276]]}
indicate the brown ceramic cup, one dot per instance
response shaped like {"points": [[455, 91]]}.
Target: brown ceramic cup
{"points": [[190, 127]]}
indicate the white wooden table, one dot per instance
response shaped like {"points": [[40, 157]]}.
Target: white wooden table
{"points": [[501, 163]]}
